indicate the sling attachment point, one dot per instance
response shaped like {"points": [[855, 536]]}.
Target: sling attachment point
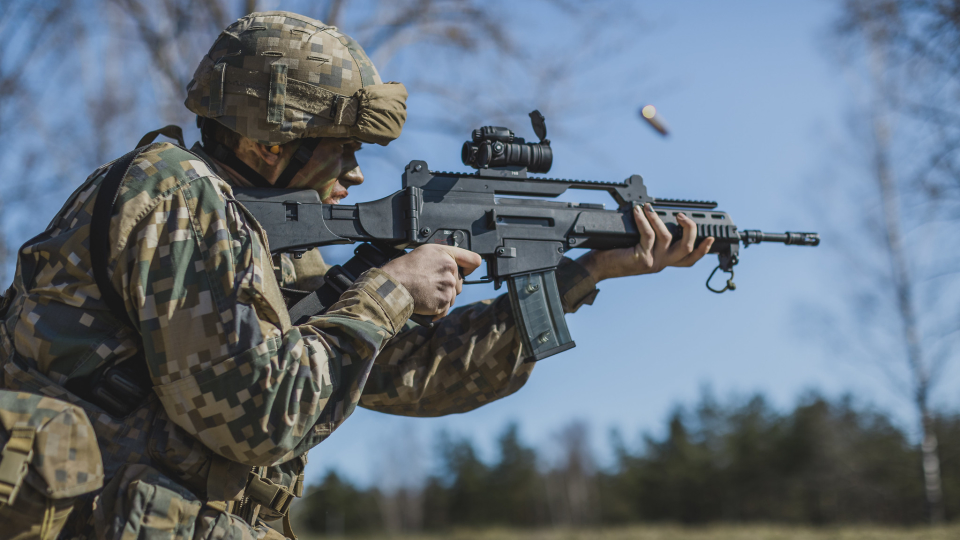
{"points": [[14, 461], [730, 286]]}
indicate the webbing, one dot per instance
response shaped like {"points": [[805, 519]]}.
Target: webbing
{"points": [[14, 461]]}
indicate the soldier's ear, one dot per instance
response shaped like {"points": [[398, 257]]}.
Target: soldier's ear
{"points": [[267, 153]]}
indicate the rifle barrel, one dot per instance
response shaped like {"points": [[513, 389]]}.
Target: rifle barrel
{"points": [[789, 238]]}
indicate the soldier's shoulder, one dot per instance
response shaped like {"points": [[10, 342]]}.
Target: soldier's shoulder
{"points": [[161, 161], [163, 168]]}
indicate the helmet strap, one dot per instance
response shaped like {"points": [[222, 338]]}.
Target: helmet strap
{"points": [[299, 159], [224, 155], [228, 157]]}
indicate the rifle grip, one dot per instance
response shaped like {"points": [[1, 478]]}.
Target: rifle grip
{"points": [[538, 314]]}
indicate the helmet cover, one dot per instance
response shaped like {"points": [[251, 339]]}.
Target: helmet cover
{"points": [[277, 76]]}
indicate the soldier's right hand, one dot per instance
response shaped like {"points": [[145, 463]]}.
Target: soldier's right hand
{"points": [[431, 275]]}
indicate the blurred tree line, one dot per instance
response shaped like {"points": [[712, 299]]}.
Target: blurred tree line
{"points": [[824, 462]]}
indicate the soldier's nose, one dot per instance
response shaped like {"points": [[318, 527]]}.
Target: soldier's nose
{"points": [[352, 177]]}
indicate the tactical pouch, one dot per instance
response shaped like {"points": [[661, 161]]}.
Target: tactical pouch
{"points": [[49, 458], [140, 502]]}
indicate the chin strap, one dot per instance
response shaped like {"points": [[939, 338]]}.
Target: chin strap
{"points": [[227, 156], [299, 159]]}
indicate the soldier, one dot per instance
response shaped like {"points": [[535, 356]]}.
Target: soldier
{"points": [[235, 394]]}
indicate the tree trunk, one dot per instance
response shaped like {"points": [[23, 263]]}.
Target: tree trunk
{"points": [[931, 471], [904, 291]]}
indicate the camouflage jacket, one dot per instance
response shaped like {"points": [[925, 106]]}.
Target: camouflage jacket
{"points": [[236, 385]]}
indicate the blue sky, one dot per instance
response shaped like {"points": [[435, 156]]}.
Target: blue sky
{"points": [[757, 111]]}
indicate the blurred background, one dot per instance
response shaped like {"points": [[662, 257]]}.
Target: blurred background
{"points": [[823, 391]]}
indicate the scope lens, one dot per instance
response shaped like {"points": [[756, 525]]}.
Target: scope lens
{"points": [[469, 155], [541, 158]]}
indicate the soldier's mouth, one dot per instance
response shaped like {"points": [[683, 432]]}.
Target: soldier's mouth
{"points": [[337, 195]]}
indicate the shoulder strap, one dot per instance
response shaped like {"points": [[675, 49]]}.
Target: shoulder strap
{"points": [[100, 233], [103, 211], [172, 131], [118, 389], [6, 298]]}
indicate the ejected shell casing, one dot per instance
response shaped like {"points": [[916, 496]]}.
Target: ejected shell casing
{"points": [[649, 113]]}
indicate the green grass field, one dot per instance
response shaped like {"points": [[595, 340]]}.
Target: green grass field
{"points": [[719, 532]]}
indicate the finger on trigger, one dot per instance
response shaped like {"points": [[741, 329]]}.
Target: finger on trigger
{"points": [[643, 225]]}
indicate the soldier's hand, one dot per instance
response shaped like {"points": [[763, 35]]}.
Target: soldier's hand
{"points": [[431, 275], [653, 253]]}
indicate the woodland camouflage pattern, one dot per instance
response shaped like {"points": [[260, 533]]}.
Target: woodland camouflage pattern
{"points": [[277, 76], [235, 384]]}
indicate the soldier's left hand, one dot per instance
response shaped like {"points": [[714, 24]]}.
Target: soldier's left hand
{"points": [[655, 251]]}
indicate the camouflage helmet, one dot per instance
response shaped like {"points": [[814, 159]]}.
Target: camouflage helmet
{"points": [[276, 76]]}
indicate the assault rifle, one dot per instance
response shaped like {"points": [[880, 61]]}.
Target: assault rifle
{"points": [[521, 240]]}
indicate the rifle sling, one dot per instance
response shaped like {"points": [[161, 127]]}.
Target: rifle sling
{"points": [[117, 388], [100, 234]]}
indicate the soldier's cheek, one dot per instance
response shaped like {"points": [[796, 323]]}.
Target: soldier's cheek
{"points": [[319, 176]]}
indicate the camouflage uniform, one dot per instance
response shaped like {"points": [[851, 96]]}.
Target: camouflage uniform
{"points": [[236, 386]]}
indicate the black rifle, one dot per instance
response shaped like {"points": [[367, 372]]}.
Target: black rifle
{"points": [[521, 240]]}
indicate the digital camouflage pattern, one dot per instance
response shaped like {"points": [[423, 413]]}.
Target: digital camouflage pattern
{"points": [[140, 503], [65, 464], [235, 384], [277, 76]]}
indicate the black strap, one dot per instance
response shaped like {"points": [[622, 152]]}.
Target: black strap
{"points": [[5, 300], [226, 156], [339, 278], [103, 212], [300, 158], [100, 234], [172, 131], [117, 388]]}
